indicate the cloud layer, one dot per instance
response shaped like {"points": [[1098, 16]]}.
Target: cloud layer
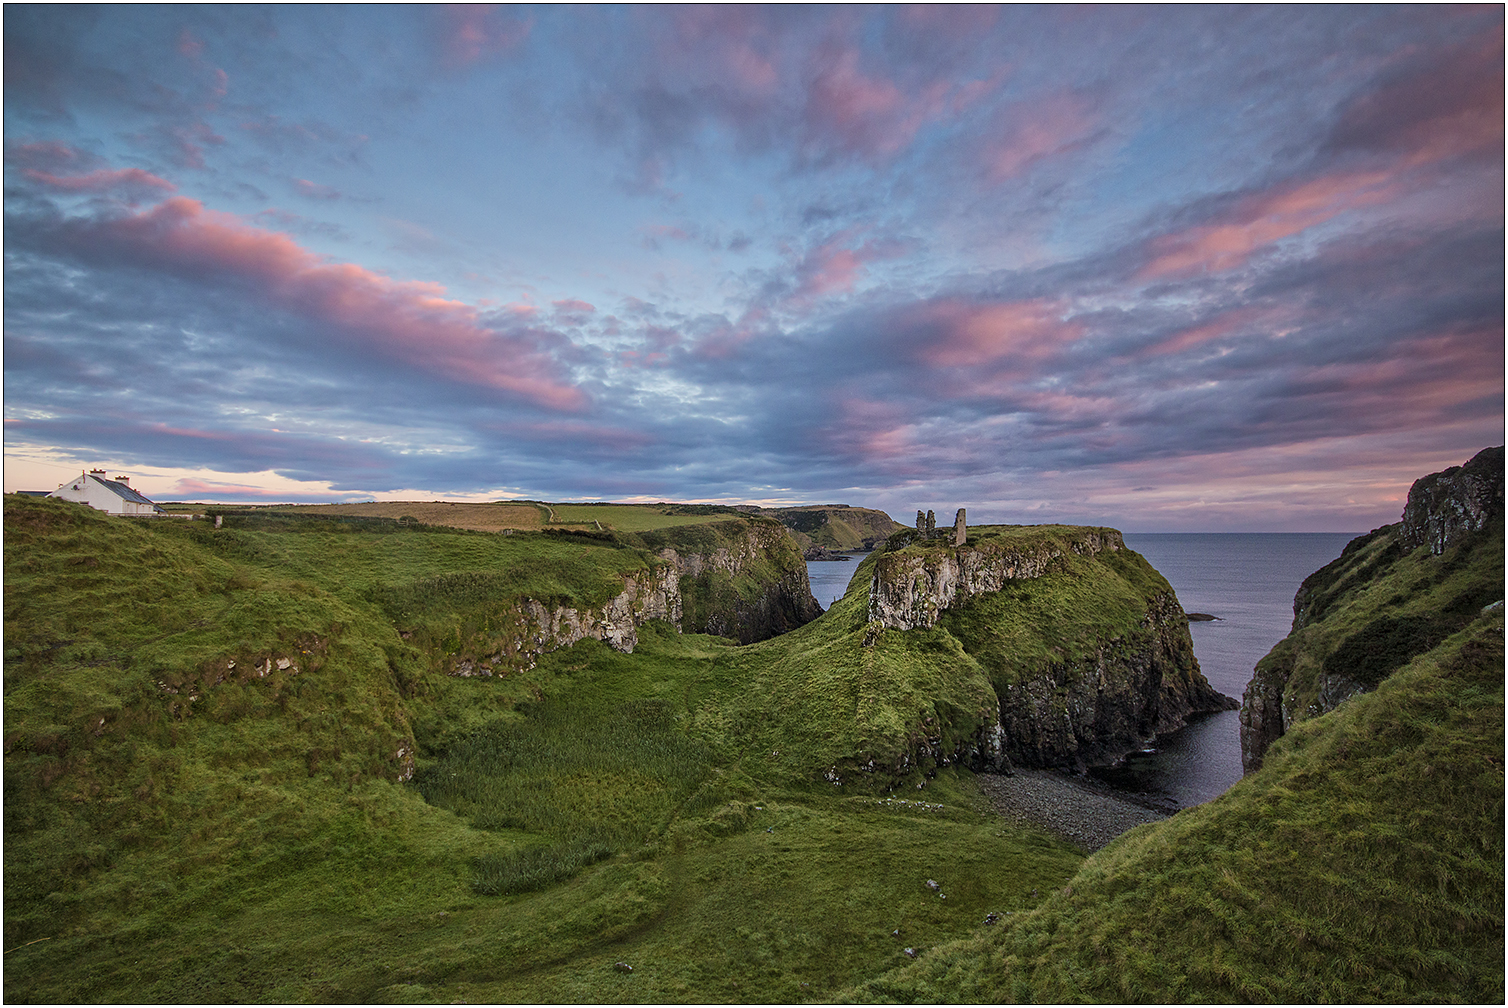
{"points": [[1155, 268]]}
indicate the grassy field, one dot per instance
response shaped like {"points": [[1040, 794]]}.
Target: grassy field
{"points": [[250, 837], [494, 517], [355, 826], [641, 517]]}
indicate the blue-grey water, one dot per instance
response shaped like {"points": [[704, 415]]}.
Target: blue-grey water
{"points": [[1248, 580], [830, 578]]}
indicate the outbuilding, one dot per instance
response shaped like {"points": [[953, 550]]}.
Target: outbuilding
{"points": [[112, 496]]}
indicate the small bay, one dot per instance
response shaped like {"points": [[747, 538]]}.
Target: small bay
{"points": [[1245, 579]]}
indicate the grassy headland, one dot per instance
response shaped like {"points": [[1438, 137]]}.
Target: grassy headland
{"points": [[334, 818]]}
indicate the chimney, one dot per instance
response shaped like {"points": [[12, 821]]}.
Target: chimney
{"points": [[123, 479], [96, 472]]}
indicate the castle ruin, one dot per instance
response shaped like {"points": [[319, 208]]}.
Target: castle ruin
{"points": [[926, 525]]}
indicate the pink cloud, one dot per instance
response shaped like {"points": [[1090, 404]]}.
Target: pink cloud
{"points": [[184, 145], [876, 432], [667, 231], [1223, 325], [956, 333], [574, 432], [833, 267], [1261, 219], [315, 190], [1031, 132], [766, 75], [868, 115], [48, 156], [1448, 107], [961, 21], [102, 180], [729, 45], [190, 45], [407, 321], [724, 341], [189, 486], [473, 32], [573, 307]]}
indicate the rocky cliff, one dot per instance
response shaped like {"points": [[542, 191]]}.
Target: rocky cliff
{"points": [[1445, 507], [743, 579], [1393, 594], [521, 630], [1084, 644], [912, 587]]}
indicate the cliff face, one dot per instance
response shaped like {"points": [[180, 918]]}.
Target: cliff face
{"points": [[1084, 644], [1445, 506], [517, 634], [1393, 594], [911, 589], [1093, 709], [741, 579]]}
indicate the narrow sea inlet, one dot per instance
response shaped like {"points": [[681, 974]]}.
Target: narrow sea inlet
{"points": [[1247, 581], [829, 578]]}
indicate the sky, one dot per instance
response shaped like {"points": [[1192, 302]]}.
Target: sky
{"points": [[1167, 269]]}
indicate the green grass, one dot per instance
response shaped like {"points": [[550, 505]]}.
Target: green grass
{"points": [[1363, 863], [1376, 607], [641, 517], [249, 837], [670, 809]]}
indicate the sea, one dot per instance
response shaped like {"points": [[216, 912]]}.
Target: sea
{"points": [[1247, 581]]}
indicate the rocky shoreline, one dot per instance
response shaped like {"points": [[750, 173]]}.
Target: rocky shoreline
{"points": [[1076, 809]]}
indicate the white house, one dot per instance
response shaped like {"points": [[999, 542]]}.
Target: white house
{"points": [[107, 495]]}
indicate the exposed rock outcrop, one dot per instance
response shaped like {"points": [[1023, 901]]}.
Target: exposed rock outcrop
{"points": [[1086, 647], [1445, 506], [1092, 710], [912, 589], [743, 579], [524, 631], [1392, 595]]}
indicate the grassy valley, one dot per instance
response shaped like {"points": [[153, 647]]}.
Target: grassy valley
{"points": [[359, 825], [240, 767]]}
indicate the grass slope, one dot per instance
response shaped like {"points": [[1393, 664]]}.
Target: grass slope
{"points": [[1377, 606], [1362, 863], [248, 837]]}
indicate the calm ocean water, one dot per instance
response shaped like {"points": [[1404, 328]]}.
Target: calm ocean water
{"points": [[830, 578], [1246, 579]]}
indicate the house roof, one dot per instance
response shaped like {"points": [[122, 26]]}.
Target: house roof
{"points": [[122, 491]]}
